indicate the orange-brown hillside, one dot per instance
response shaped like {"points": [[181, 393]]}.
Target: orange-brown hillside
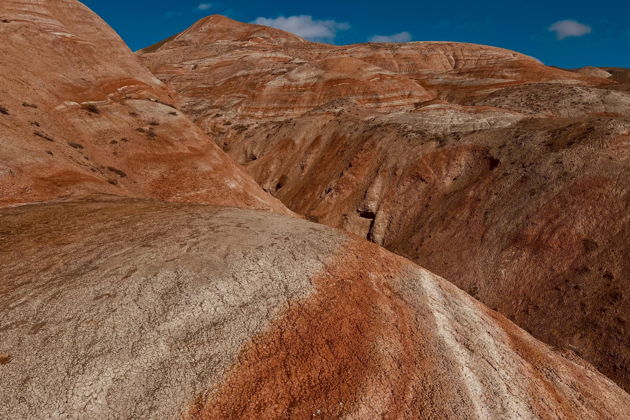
{"points": [[507, 177]]}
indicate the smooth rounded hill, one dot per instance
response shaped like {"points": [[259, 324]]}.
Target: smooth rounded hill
{"points": [[138, 309], [507, 177], [80, 115]]}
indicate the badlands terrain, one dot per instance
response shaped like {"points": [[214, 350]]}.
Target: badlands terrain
{"points": [[507, 177], [147, 273]]}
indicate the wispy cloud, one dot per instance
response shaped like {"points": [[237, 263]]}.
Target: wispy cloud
{"points": [[399, 37], [204, 6], [568, 28], [305, 26]]}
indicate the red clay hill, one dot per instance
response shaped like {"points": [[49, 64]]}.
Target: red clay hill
{"points": [[80, 116]]}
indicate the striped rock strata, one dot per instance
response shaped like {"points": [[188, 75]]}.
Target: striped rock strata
{"points": [[79, 115], [250, 72], [507, 177], [139, 309]]}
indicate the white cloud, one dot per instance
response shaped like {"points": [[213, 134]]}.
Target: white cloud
{"points": [[400, 37], [569, 27], [204, 6], [305, 26]]}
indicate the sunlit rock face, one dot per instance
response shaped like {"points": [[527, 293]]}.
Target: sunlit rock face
{"points": [[80, 115], [507, 177], [125, 308]]}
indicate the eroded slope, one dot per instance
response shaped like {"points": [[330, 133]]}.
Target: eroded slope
{"points": [[80, 115], [507, 177], [139, 309]]}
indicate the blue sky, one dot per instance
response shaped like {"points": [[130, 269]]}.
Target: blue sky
{"points": [[561, 33]]}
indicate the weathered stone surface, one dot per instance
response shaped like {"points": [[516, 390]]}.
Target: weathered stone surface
{"points": [[83, 116], [507, 177], [138, 309]]}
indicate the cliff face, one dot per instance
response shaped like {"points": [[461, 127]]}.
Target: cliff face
{"points": [[507, 177], [80, 115], [207, 313]]}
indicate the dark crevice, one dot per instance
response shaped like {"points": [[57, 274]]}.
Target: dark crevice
{"points": [[91, 108], [494, 162], [44, 136], [117, 171], [367, 214]]}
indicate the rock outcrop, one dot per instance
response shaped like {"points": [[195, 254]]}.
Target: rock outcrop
{"points": [[79, 115], [507, 177], [139, 309]]}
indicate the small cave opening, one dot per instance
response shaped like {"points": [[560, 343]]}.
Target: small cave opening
{"points": [[282, 182]]}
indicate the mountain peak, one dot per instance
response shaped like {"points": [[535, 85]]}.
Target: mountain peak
{"points": [[222, 29]]}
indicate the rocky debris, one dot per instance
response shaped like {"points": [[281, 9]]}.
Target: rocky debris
{"points": [[137, 309], [83, 88], [492, 172]]}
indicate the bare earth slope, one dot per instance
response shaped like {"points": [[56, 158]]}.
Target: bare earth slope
{"points": [[80, 115], [207, 313], [507, 177]]}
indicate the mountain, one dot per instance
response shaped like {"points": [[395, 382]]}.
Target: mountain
{"points": [[217, 313], [79, 115], [507, 177]]}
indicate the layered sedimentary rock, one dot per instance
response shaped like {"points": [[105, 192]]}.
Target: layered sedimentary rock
{"points": [[79, 115], [207, 313], [243, 71], [507, 177]]}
